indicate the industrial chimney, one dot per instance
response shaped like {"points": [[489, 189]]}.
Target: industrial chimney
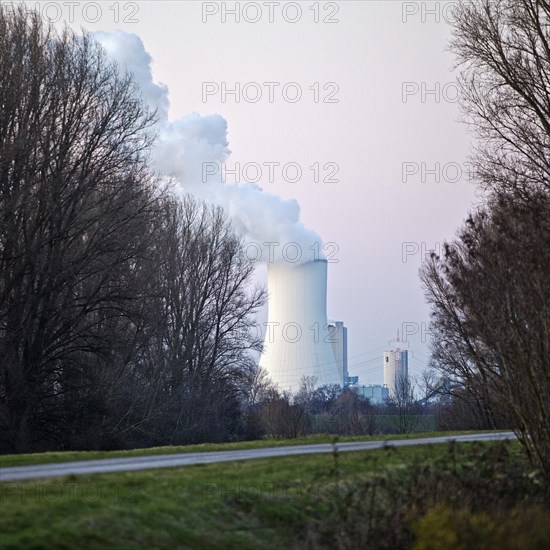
{"points": [[297, 339]]}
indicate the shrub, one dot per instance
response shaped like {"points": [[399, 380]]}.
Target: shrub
{"points": [[481, 486]]}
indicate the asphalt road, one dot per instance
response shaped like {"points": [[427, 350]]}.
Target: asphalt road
{"points": [[127, 464]]}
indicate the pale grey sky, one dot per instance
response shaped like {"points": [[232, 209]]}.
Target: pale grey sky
{"points": [[376, 138]]}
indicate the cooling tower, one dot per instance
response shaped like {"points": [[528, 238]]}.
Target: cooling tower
{"points": [[297, 341]]}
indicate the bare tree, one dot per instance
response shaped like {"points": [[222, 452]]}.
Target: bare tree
{"points": [[352, 415], [429, 384], [490, 296], [203, 335], [260, 387], [404, 406], [490, 290], [281, 418], [503, 49], [306, 393], [125, 315], [75, 200]]}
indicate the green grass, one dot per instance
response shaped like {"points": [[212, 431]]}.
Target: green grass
{"points": [[68, 456], [250, 504]]}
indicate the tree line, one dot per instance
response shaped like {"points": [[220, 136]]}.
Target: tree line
{"points": [[125, 312]]}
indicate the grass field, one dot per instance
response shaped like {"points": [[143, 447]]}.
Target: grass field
{"points": [[50, 457], [249, 504]]}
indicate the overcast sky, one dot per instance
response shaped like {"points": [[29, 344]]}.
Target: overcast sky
{"points": [[377, 112]]}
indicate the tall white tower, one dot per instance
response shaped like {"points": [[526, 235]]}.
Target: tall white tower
{"points": [[396, 368], [297, 340]]}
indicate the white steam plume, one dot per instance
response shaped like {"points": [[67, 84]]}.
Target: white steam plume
{"points": [[184, 146]]}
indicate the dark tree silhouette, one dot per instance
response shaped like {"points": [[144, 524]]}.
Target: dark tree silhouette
{"points": [[490, 296], [75, 198], [503, 49], [125, 313], [490, 292]]}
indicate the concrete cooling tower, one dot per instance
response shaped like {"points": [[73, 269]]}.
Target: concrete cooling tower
{"points": [[297, 340]]}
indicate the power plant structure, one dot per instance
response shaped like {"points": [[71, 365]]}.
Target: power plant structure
{"points": [[375, 393], [338, 336], [299, 342], [396, 369]]}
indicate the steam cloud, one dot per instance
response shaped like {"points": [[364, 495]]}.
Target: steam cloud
{"points": [[184, 145]]}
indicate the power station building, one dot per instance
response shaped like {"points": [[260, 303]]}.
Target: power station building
{"points": [[396, 369], [299, 342], [375, 393], [338, 335]]}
